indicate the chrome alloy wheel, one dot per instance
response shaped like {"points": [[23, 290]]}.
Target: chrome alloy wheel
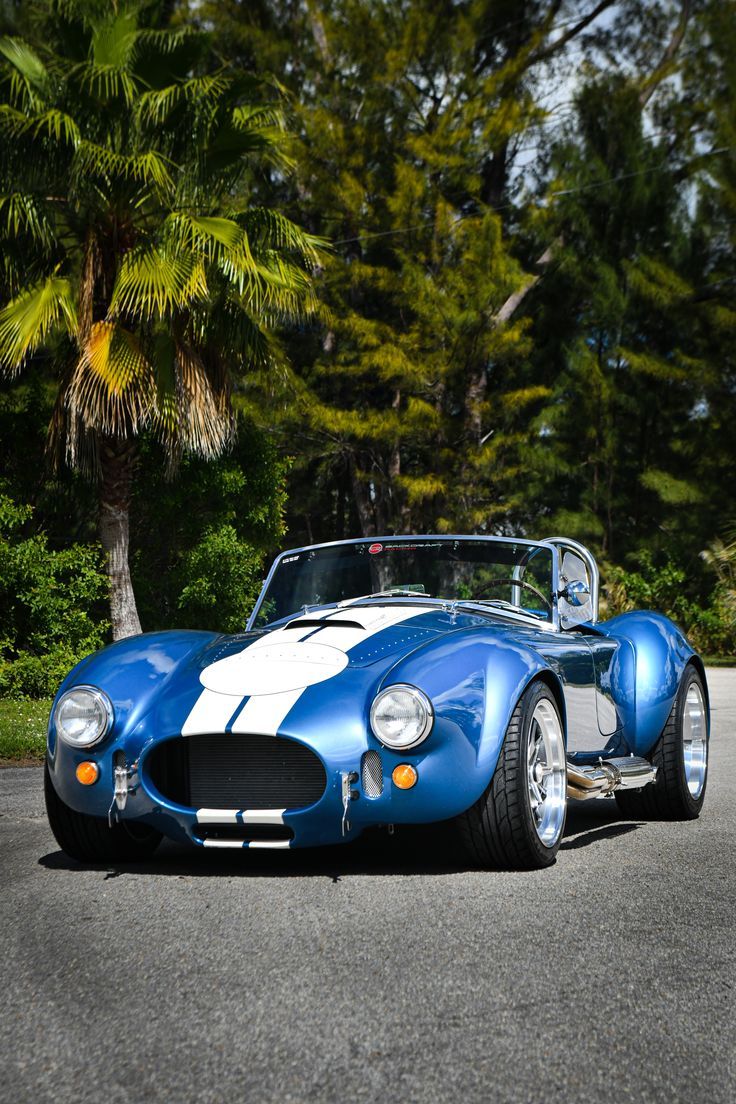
{"points": [[694, 740], [547, 772]]}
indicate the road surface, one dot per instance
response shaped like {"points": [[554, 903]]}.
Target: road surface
{"points": [[383, 971]]}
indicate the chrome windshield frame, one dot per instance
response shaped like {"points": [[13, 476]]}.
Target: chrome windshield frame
{"points": [[525, 618], [559, 544]]}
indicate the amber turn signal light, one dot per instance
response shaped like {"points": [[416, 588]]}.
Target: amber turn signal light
{"points": [[88, 773], [404, 776]]}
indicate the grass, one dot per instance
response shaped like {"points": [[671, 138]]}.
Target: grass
{"points": [[719, 661], [23, 730]]}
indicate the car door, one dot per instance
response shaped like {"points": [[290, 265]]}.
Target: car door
{"points": [[576, 623]]}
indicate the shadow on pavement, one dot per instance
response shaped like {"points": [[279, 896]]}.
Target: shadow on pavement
{"points": [[417, 850]]}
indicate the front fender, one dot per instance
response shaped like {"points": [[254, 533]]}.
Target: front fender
{"points": [[474, 690], [133, 673]]}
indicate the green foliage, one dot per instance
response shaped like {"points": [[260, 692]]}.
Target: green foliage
{"points": [[125, 218], [199, 543], [224, 578], [710, 628], [50, 606]]}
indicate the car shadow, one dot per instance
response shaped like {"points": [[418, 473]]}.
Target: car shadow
{"points": [[427, 850], [589, 822]]}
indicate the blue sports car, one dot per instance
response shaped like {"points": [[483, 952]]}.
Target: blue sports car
{"points": [[398, 680]]}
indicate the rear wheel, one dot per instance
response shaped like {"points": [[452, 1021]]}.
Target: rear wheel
{"points": [[681, 758], [91, 839], [517, 822]]}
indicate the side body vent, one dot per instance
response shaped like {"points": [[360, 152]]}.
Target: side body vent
{"points": [[372, 774]]}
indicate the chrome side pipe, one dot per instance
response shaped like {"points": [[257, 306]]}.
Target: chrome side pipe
{"points": [[623, 773]]}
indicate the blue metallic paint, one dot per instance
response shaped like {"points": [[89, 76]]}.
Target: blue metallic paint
{"points": [[472, 667]]}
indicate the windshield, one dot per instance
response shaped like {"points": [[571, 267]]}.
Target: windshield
{"points": [[499, 573]]}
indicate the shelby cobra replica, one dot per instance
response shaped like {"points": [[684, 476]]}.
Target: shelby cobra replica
{"points": [[401, 680]]}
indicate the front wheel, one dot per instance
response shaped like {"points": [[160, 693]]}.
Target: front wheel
{"points": [[681, 758], [91, 839], [517, 823]]}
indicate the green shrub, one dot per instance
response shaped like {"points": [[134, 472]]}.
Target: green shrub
{"points": [[222, 576], [711, 628], [51, 606], [199, 542]]}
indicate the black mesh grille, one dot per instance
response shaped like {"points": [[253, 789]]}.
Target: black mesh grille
{"points": [[225, 771]]}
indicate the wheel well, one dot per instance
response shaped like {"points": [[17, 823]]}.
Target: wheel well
{"points": [[696, 662], [553, 684]]}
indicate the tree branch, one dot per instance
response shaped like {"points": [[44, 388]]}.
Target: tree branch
{"points": [[514, 301], [663, 69], [548, 51]]}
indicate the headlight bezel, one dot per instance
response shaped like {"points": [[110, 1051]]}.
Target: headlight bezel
{"points": [[418, 696], [107, 716]]}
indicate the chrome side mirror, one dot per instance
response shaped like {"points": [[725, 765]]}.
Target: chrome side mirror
{"points": [[576, 592]]}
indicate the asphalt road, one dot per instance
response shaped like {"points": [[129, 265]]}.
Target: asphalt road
{"points": [[383, 971]]}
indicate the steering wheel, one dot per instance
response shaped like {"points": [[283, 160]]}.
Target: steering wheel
{"points": [[514, 583]]}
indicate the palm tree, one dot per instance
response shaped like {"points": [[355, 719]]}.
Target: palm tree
{"points": [[129, 250]]}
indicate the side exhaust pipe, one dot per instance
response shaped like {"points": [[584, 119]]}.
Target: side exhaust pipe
{"points": [[623, 773]]}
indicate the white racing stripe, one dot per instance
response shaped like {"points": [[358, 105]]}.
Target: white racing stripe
{"points": [[240, 816], [217, 816], [264, 713], [210, 713], [263, 816]]}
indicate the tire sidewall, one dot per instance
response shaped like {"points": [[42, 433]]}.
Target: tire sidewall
{"points": [[693, 805], [529, 702]]}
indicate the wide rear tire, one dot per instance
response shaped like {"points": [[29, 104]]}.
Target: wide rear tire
{"points": [[517, 823], [681, 758], [91, 839]]}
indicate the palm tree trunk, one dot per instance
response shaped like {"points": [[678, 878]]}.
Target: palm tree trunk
{"points": [[117, 461]]}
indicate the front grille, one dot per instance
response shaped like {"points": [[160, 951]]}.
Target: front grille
{"points": [[224, 771], [372, 774]]}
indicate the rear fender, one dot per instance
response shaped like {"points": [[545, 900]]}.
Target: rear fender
{"points": [[652, 662]]}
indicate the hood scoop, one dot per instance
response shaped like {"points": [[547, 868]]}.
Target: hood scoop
{"points": [[318, 623]]}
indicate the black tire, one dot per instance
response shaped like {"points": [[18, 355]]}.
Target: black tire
{"points": [[499, 830], [668, 797], [90, 839]]}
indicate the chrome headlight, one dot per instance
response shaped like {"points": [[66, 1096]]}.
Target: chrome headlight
{"points": [[401, 716], [83, 716]]}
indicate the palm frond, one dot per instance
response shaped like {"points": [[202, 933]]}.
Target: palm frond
{"points": [[148, 168], [112, 389], [156, 105], [283, 291], [165, 41], [28, 319], [194, 412], [272, 230], [51, 124], [106, 82], [21, 214], [114, 38], [152, 283], [262, 130], [242, 342], [29, 76], [266, 282], [213, 237]]}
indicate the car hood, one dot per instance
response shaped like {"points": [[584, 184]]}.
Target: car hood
{"points": [[339, 656]]}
